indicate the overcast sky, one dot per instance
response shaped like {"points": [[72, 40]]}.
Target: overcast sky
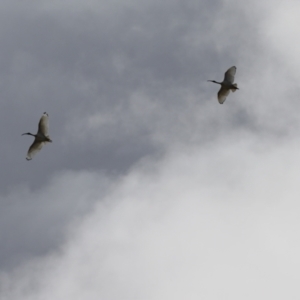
{"points": [[151, 190]]}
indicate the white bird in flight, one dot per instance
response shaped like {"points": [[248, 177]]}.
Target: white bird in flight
{"points": [[41, 137], [226, 85]]}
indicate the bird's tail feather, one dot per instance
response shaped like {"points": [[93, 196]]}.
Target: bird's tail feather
{"points": [[233, 90]]}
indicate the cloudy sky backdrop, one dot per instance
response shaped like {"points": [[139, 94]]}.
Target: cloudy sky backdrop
{"points": [[151, 190]]}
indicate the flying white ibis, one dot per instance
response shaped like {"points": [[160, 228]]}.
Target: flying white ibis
{"points": [[227, 84], [41, 137]]}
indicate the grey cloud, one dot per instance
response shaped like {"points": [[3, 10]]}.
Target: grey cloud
{"points": [[32, 222], [124, 84], [73, 63]]}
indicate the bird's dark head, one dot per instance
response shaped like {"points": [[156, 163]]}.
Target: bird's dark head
{"points": [[214, 81], [27, 133]]}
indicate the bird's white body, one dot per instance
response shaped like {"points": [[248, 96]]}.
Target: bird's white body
{"points": [[227, 84], [41, 137]]}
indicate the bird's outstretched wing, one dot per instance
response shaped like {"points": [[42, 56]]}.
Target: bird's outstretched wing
{"points": [[44, 124], [222, 94], [229, 74], [34, 148]]}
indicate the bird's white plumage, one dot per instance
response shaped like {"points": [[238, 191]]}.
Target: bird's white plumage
{"points": [[222, 94], [34, 148], [44, 124], [229, 74]]}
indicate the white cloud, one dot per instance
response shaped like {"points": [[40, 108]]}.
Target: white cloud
{"points": [[217, 215], [206, 222]]}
